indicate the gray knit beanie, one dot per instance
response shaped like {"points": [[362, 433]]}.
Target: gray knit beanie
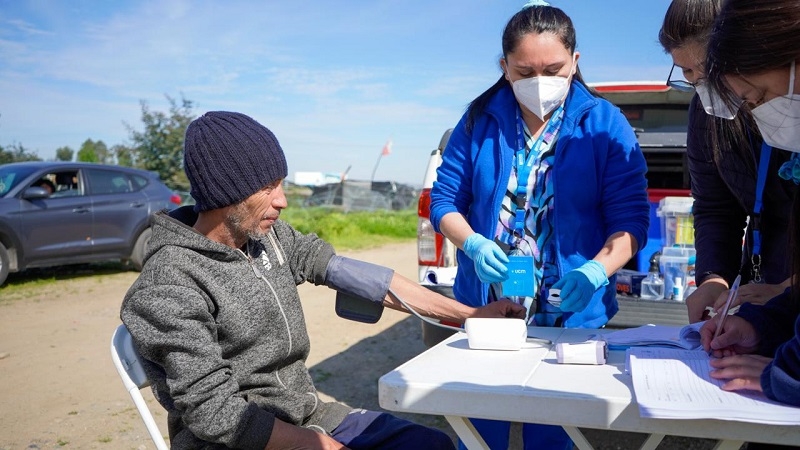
{"points": [[228, 157]]}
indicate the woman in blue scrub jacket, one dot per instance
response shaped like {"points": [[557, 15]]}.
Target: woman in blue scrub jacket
{"points": [[542, 187]]}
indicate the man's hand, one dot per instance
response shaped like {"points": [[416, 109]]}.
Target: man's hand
{"points": [[491, 264], [291, 437], [738, 336], [742, 371], [501, 308], [704, 296], [578, 285]]}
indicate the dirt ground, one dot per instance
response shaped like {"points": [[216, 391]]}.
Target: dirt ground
{"points": [[59, 389]]}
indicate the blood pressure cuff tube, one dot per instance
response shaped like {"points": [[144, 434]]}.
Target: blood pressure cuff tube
{"points": [[358, 278]]}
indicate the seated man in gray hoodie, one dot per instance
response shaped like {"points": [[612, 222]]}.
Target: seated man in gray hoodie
{"points": [[217, 317]]}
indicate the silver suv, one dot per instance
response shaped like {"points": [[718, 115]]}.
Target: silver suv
{"points": [[57, 213]]}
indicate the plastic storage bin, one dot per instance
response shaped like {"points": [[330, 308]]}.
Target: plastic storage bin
{"points": [[677, 221], [641, 261]]}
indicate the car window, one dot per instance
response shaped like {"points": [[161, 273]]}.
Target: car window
{"points": [[139, 182], [109, 182], [47, 182], [68, 183], [10, 176]]}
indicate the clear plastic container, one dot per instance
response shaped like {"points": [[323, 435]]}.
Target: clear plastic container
{"points": [[652, 287], [674, 267], [677, 221]]}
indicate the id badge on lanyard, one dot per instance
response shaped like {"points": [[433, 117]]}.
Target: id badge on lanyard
{"points": [[520, 276], [521, 273]]}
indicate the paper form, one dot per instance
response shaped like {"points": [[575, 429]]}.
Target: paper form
{"points": [[675, 384], [686, 337]]}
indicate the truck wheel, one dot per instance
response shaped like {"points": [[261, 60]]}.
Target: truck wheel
{"points": [[3, 264], [137, 257]]}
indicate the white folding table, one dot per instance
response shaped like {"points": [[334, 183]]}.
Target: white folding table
{"points": [[528, 385]]}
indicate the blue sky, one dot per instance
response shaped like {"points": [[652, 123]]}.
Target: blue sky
{"points": [[334, 80]]}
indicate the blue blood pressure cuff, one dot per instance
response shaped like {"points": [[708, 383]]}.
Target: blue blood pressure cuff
{"points": [[361, 288], [358, 278]]}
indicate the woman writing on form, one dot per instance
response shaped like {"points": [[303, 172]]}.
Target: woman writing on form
{"points": [[753, 56], [735, 182]]}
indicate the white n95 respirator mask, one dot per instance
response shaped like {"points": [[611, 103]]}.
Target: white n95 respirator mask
{"points": [[779, 119], [713, 103], [542, 94]]}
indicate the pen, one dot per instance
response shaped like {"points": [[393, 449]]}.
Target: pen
{"points": [[724, 313]]}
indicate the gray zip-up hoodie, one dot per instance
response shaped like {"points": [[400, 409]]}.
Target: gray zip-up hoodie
{"points": [[224, 335]]}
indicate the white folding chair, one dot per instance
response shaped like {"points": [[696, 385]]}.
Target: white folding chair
{"points": [[130, 369]]}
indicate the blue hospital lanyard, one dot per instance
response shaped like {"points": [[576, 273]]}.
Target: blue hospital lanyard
{"points": [[525, 165], [763, 166]]}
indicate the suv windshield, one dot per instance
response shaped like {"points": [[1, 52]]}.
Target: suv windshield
{"points": [[10, 176]]}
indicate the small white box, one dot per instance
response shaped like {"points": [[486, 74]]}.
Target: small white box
{"points": [[588, 352], [495, 333]]}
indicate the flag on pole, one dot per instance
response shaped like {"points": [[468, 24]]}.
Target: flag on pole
{"points": [[387, 148]]}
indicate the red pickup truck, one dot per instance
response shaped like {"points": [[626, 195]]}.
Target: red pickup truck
{"points": [[659, 116]]}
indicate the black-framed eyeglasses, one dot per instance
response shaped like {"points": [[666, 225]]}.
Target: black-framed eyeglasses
{"points": [[680, 85]]}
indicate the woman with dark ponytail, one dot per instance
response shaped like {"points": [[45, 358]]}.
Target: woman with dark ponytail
{"points": [[542, 187]]}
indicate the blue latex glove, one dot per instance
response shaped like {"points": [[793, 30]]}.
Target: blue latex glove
{"points": [[490, 262], [578, 285]]}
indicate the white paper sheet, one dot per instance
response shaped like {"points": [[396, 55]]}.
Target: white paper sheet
{"points": [[675, 384]]}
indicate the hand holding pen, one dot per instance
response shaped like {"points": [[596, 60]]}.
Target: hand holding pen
{"points": [[737, 337], [725, 335], [723, 314]]}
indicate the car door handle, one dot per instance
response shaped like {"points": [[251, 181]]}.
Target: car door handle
{"points": [[137, 204], [81, 210]]}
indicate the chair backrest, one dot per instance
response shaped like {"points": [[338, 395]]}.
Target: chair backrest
{"points": [[130, 369]]}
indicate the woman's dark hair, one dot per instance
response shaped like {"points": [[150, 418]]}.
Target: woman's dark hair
{"points": [[686, 22], [752, 37], [532, 19], [689, 22]]}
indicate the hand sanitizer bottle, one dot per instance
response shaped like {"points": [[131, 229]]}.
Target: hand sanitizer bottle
{"points": [[677, 289], [653, 285]]}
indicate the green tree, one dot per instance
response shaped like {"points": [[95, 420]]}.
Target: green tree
{"points": [[16, 153], [64, 153], [159, 147], [123, 155], [94, 151], [103, 155]]}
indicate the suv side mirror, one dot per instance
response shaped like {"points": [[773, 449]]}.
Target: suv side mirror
{"points": [[35, 193]]}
